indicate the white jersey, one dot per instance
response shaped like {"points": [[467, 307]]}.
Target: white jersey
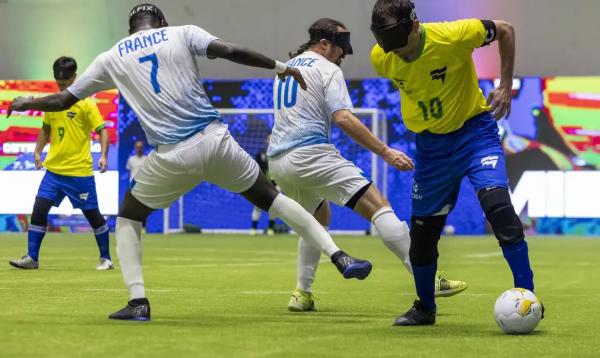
{"points": [[303, 118], [134, 163], [155, 70]]}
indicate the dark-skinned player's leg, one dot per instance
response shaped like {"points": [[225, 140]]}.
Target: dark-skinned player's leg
{"points": [[129, 250], [264, 195]]}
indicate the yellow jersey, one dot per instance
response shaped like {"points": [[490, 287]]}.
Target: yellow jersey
{"points": [[439, 89], [70, 138]]}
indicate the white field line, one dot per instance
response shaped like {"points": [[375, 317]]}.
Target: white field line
{"points": [[266, 293], [482, 255], [123, 290]]}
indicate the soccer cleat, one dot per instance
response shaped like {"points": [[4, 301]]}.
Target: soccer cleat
{"points": [[447, 288], [252, 232], [351, 267], [25, 263], [302, 301], [416, 316], [270, 232], [105, 264], [543, 309], [136, 310]]}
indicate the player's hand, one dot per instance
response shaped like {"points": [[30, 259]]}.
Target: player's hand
{"points": [[294, 72], [397, 159], [500, 101], [102, 164], [37, 158], [17, 105]]}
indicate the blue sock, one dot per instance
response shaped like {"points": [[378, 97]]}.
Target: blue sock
{"points": [[517, 256], [35, 235], [102, 241], [425, 284]]}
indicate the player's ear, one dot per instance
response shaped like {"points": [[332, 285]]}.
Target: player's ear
{"points": [[324, 44], [416, 24]]}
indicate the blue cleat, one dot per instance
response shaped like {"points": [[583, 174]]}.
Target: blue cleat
{"points": [[351, 267]]}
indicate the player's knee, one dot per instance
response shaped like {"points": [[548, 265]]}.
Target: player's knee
{"points": [[262, 194], [133, 209], [424, 236], [95, 218], [499, 211], [41, 208]]}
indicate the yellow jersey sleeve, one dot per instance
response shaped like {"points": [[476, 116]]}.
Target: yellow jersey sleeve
{"points": [[469, 33], [47, 119], [377, 60], [94, 116]]}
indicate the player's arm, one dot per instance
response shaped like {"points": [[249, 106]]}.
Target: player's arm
{"points": [[40, 143], [245, 56], [356, 130], [53, 103], [104, 142], [500, 98]]}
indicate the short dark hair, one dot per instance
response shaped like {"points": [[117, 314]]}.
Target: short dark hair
{"points": [[395, 9], [323, 24], [64, 68]]}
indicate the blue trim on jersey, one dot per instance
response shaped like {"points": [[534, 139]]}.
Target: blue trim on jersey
{"points": [[81, 191], [303, 142], [443, 160]]}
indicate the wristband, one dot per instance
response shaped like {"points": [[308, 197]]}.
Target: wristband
{"points": [[280, 67]]}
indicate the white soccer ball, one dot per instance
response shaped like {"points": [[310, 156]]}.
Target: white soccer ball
{"points": [[517, 311]]}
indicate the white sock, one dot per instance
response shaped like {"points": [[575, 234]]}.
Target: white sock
{"points": [[308, 260], [129, 249], [255, 214], [303, 223], [394, 233]]}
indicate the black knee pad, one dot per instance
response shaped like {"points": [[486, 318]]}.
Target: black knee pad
{"points": [[94, 217], [41, 208], [499, 211], [424, 236]]}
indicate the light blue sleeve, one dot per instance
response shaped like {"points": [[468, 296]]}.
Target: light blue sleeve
{"points": [[197, 39], [336, 94], [95, 79]]}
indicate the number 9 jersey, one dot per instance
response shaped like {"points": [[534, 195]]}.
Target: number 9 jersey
{"points": [[70, 130], [303, 117], [439, 89]]}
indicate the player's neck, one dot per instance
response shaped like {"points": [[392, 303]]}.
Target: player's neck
{"points": [[414, 51]]}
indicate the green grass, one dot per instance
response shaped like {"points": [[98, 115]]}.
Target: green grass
{"points": [[226, 296]]}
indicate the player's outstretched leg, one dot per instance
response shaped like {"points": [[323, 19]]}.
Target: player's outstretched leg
{"points": [[508, 229], [129, 249], [264, 195], [395, 234], [35, 234], [425, 234]]}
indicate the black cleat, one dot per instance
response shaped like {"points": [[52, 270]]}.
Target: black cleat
{"points": [[136, 310], [543, 310], [350, 267], [416, 316]]}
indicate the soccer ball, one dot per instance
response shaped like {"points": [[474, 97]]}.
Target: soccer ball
{"points": [[517, 311]]}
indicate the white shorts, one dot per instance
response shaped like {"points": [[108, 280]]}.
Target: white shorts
{"points": [[211, 155], [315, 173]]}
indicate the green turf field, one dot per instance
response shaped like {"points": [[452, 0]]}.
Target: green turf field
{"points": [[226, 296]]}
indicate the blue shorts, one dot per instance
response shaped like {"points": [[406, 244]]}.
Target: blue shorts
{"points": [[443, 160], [81, 191]]}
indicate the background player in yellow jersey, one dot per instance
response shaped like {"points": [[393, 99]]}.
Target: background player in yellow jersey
{"points": [[69, 168], [457, 135]]}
